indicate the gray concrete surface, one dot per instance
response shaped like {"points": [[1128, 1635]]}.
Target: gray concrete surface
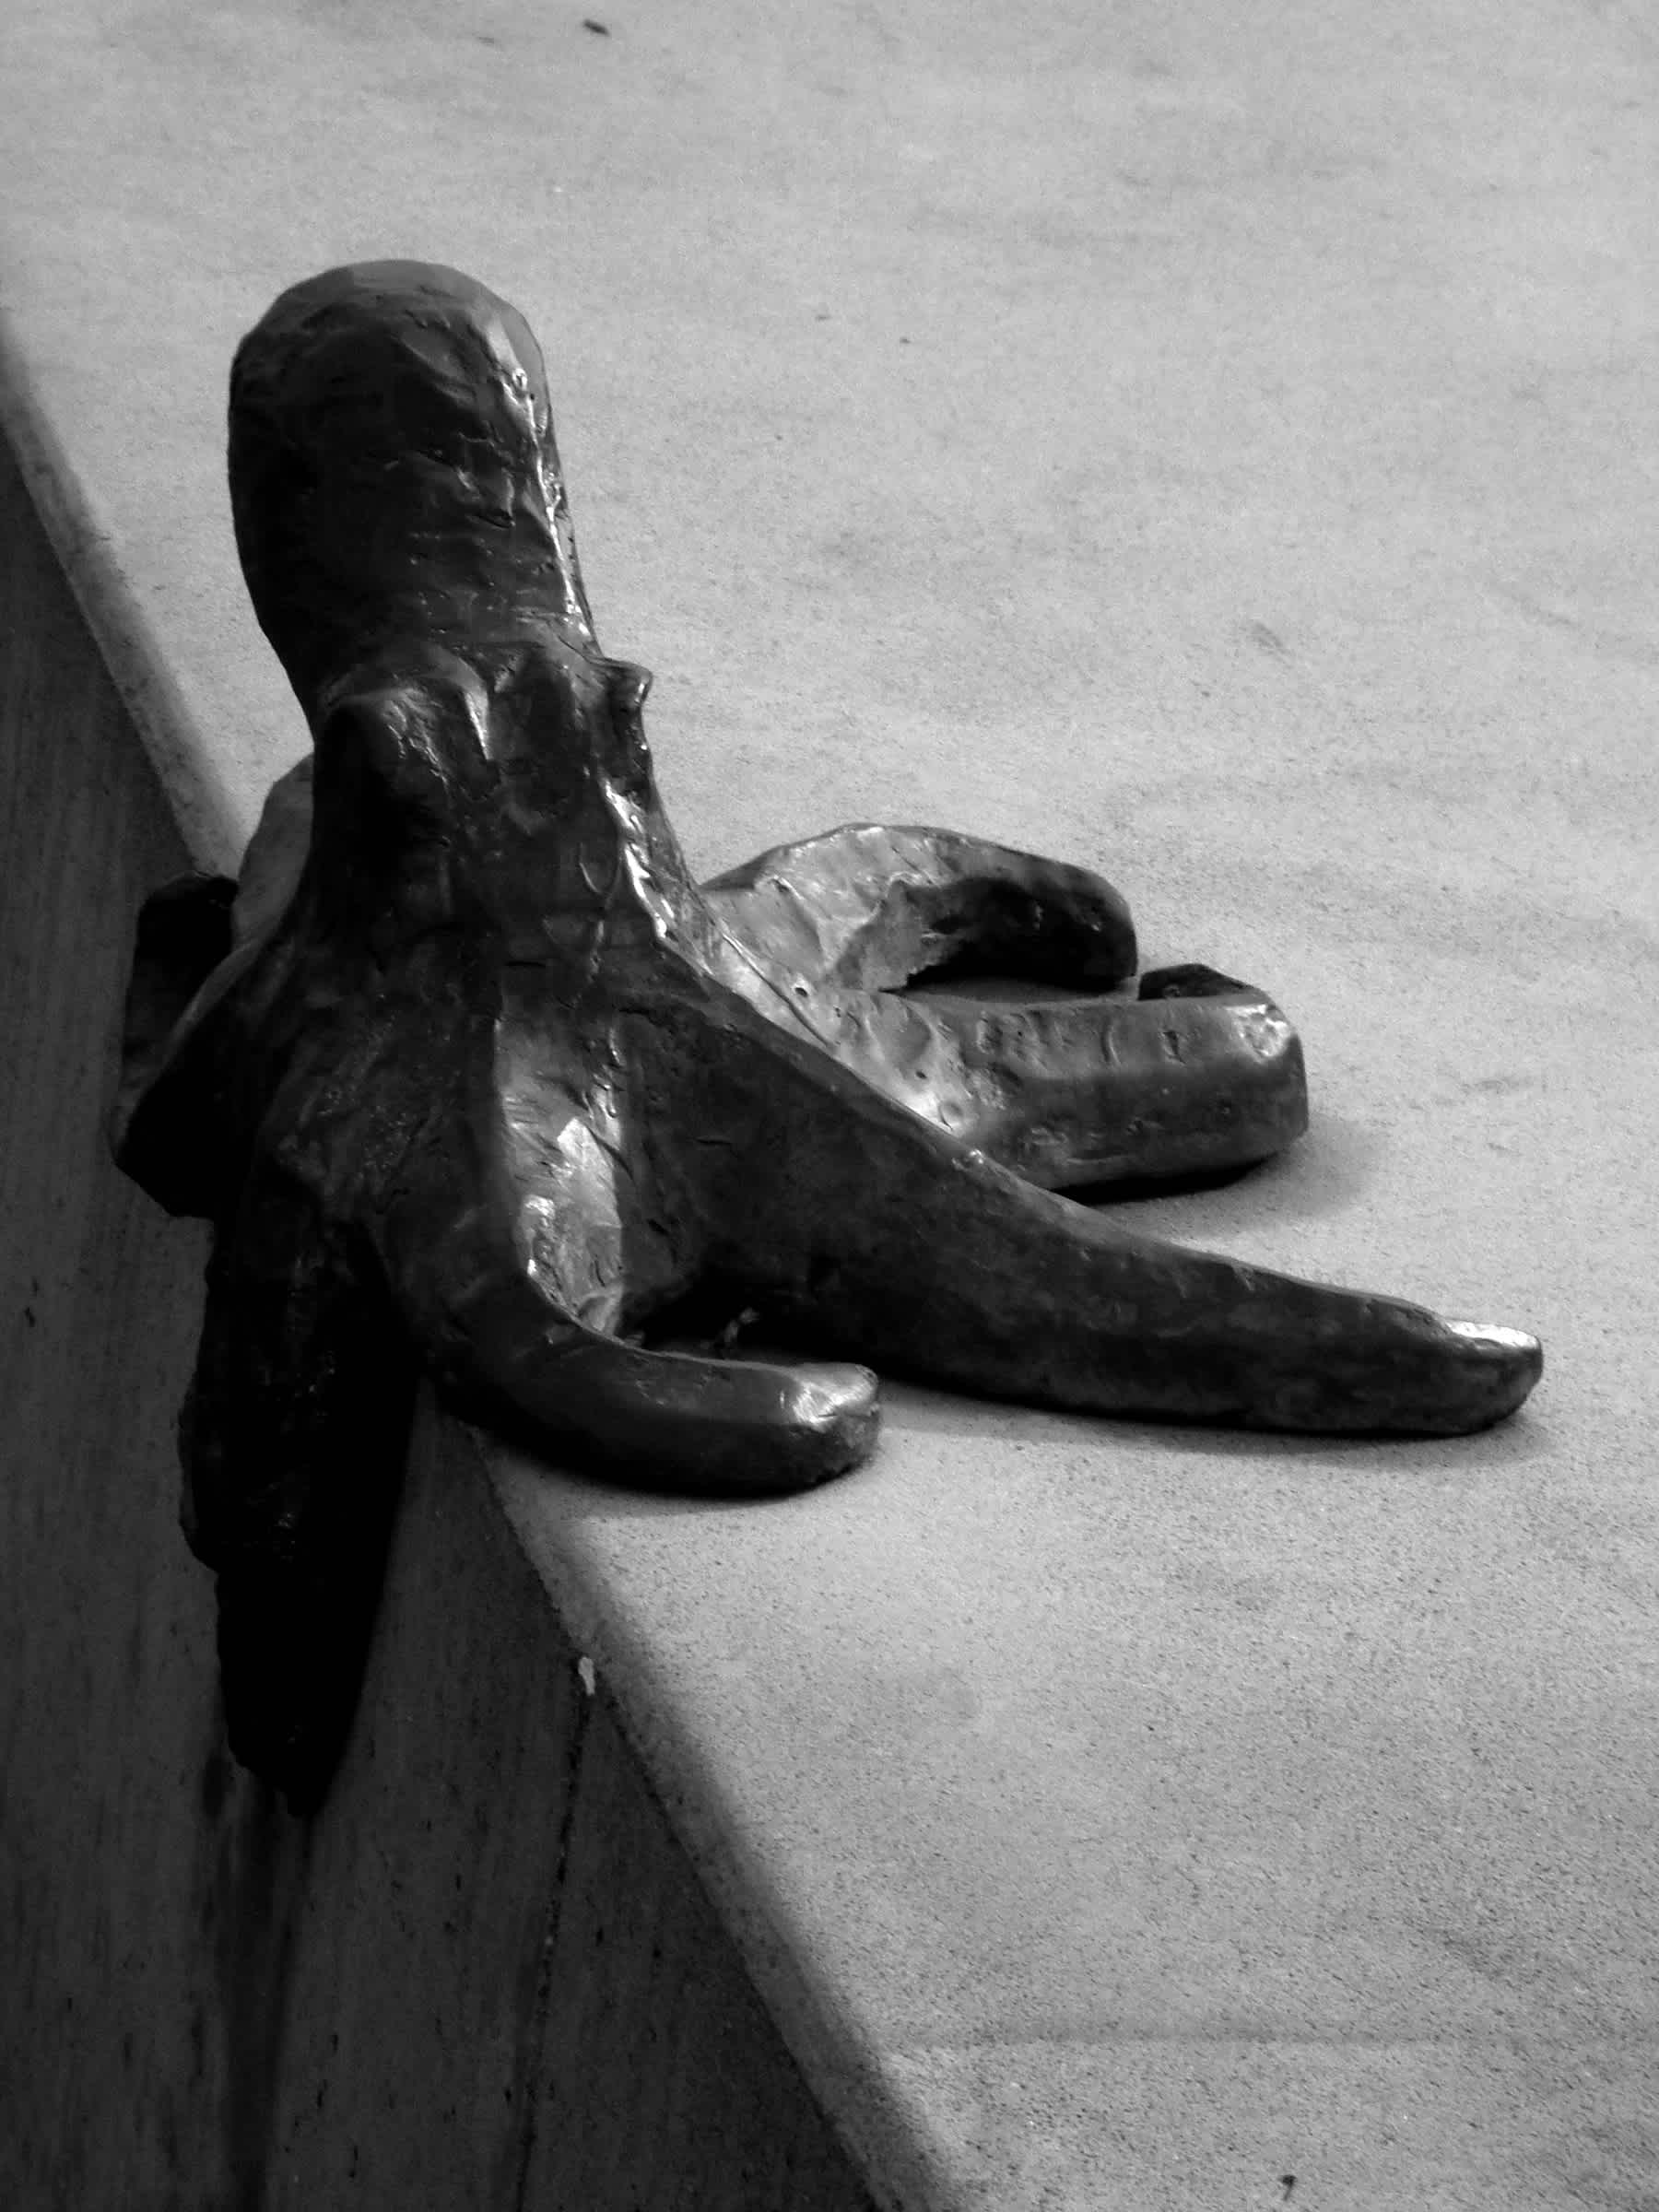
{"points": [[1217, 444]]}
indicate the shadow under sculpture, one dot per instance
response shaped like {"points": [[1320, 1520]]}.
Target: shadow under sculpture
{"points": [[470, 1076]]}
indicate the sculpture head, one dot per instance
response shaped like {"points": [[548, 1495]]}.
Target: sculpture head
{"points": [[403, 532], [394, 473]]}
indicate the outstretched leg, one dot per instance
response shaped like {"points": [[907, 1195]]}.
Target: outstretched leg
{"points": [[856, 1221]]}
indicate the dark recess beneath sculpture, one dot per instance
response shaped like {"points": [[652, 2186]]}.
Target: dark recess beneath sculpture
{"points": [[469, 1075]]}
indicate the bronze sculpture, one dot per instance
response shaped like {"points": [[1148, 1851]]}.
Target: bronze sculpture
{"points": [[473, 1077]]}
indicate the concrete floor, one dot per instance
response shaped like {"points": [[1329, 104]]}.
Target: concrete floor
{"points": [[1217, 444]]}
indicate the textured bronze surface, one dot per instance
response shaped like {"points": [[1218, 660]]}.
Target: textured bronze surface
{"points": [[478, 1079]]}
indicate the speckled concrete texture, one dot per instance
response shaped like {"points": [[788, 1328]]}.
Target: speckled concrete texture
{"points": [[1214, 443]]}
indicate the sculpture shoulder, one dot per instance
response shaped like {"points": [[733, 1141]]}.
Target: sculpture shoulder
{"points": [[274, 859]]}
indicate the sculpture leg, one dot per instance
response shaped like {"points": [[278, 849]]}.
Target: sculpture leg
{"points": [[294, 1437], [1198, 1073], [867, 1228]]}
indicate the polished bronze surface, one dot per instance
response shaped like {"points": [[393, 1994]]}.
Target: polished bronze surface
{"points": [[475, 1078]]}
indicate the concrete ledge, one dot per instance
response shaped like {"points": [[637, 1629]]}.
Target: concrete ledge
{"points": [[107, 1717], [1245, 410]]}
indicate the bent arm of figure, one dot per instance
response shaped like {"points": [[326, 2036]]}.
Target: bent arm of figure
{"points": [[875, 907]]}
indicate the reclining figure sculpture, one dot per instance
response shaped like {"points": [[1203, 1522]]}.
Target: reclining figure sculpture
{"points": [[473, 1077]]}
